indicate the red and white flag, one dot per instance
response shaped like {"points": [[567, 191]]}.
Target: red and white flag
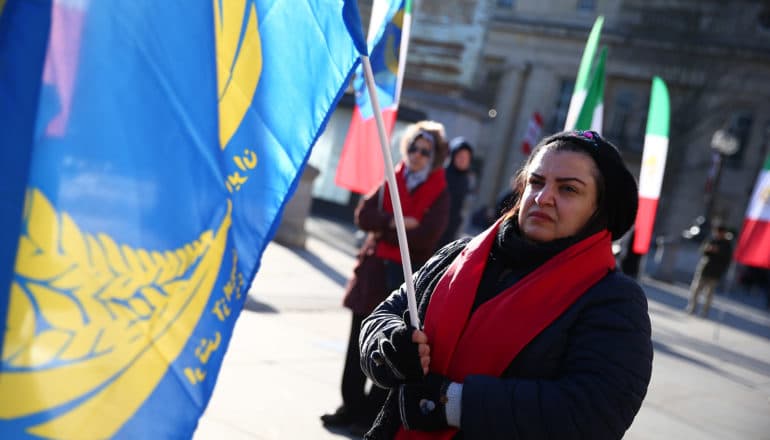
{"points": [[754, 244], [532, 135]]}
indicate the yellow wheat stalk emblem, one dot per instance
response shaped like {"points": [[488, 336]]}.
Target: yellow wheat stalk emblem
{"points": [[239, 63], [91, 318]]}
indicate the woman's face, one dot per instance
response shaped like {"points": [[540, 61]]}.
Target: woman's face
{"points": [[462, 159], [419, 155], [560, 195]]}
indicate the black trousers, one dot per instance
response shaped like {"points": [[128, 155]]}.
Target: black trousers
{"points": [[361, 405]]}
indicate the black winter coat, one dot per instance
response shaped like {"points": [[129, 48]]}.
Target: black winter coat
{"points": [[583, 377], [458, 186]]}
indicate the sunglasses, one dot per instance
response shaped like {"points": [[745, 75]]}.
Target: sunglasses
{"points": [[423, 151]]}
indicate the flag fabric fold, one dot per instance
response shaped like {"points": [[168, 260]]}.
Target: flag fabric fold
{"points": [[155, 181], [653, 165], [591, 116], [360, 168], [754, 243], [582, 81], [29, 24]]}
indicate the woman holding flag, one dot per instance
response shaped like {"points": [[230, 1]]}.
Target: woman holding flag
{"points": [[529, 331], [425, 203]]}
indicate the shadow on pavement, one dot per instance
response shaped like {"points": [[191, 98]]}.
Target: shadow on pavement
{"points": [[667, 340], [724, 310], [252, 305], [321, 265], [345, 245], [339, 235], [660, 347]]}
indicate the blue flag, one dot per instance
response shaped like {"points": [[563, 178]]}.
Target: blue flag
{"points": [[383, 55], [361, 167], [148, 150]]}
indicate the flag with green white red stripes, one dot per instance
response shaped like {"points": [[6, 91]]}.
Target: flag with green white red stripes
{"points": [[754, 243]]}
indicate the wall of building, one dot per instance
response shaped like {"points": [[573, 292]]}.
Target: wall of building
{"points": [[483, 67]]}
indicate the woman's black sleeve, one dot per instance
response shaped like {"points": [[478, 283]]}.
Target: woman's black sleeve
{"points": [[389, 315], [376, 329]]}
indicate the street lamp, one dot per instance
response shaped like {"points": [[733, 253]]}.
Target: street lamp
{"points": [[723, 144]]}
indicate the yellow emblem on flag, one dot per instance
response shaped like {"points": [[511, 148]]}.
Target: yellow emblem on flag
{"points": [[239, 63], [90, 319], [391, 51]]}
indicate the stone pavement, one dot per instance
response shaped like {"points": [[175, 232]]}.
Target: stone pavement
{"points": [[711, 377]]}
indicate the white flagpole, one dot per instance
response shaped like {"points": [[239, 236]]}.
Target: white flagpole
{"points": [[390, 176], [406, 30]]}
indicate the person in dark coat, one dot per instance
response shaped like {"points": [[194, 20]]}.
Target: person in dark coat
{"points": [[712, 266], [486, 216], [458, 178], [529, 332], [425, 205]]}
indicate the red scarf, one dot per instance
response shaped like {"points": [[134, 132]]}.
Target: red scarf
{"points": [[501, 327], [413, 204]]}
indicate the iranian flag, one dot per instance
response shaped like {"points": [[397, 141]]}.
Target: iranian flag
{"points": [[583, 79], [532, 135], [754, 244], [360, 168], [653, 165], [591, 116]]}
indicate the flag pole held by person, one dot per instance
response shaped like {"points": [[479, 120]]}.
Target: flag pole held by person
{"points": [[390, 176]]}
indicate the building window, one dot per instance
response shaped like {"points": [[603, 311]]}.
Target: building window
{"points": [[505, 4], [559, 115], [586, 5]]}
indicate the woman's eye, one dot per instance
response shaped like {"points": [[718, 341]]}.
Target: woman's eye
{"points": [[570, 189]]}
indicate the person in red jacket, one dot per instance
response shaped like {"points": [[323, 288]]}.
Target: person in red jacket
{"points": [[529, 331], [424, 199]]}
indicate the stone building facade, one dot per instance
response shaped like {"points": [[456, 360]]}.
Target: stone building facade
{"points": [[484, 67]]}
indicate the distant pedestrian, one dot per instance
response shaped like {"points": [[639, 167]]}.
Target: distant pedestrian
{"points": [[486, 216], [425, 204], [714, 262], [530, 332], [459, 181]]}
